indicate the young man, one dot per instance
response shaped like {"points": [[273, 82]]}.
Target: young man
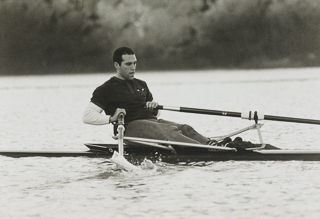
{"points": [[124, 93]]}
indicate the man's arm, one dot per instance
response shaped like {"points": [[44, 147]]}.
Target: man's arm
{"points": [[92, 115]]}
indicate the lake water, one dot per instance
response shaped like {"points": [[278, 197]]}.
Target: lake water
{"points": [[45, 112]]}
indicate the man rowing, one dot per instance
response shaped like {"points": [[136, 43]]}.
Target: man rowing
{"points": [[123, 93]]}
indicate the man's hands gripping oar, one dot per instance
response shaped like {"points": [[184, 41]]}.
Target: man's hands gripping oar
{"points": [[249, 115]]}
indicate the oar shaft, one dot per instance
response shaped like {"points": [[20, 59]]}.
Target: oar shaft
{"points": [[237, 114], [120, 130], [200, 111], [291, 119], [183, 144]]}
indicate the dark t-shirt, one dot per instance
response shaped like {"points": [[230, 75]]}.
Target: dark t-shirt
{"points": [[130, 95]]}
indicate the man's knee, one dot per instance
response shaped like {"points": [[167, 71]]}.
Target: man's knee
{"points": [[186, 127]]}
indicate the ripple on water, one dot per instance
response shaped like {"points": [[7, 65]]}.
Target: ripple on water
{"points": [[49, 117]]}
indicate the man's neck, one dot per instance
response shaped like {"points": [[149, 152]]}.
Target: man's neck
{"points": [[121, 78]]}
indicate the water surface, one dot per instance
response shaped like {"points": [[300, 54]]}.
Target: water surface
{"points": [[44, 112]]}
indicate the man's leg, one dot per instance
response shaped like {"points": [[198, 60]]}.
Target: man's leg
{"points": [[155, 129], [188, 131]]}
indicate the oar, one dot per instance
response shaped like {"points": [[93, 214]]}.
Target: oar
{"points": [[118, 158], [249, 115], [183, 144], [120, 130]]}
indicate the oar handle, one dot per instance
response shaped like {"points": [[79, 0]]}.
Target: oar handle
{"points": [[240, 115], [121, 119]]}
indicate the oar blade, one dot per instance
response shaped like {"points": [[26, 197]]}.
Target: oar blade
{"points": [[122, 163]]}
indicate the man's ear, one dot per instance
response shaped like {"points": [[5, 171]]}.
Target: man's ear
{"points": [[116, 65]]}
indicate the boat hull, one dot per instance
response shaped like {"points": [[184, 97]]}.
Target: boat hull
{"points": [[136, 154], [45, 153]]}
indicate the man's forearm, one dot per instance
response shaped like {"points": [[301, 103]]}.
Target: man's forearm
{"points": [[92, 115]]}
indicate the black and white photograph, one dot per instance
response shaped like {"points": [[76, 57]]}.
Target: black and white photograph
{"points": [[176, 109]]}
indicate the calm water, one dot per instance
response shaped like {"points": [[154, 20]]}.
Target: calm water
{"points": [[44, 112]]}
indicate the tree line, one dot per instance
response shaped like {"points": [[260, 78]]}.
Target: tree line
{"points": [[74, 36]]}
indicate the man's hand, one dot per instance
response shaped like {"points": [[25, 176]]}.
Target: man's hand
{"points": [[151, 105], [114, 117]]}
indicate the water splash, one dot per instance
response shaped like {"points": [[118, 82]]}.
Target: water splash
{"points": [[123, 164]]}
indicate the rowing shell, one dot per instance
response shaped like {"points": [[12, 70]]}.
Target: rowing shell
{"points": [[137, 149], [183, 154]]}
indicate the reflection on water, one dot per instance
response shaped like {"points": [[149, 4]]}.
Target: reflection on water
{"points": [[44, 112]]}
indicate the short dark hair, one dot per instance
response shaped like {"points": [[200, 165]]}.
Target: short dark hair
{"points": [[118, 53]]}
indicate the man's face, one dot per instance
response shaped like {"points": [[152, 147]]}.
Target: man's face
{"points": [[127, 68]]}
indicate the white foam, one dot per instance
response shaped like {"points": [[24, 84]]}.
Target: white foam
{"points": [[122, 163]]}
